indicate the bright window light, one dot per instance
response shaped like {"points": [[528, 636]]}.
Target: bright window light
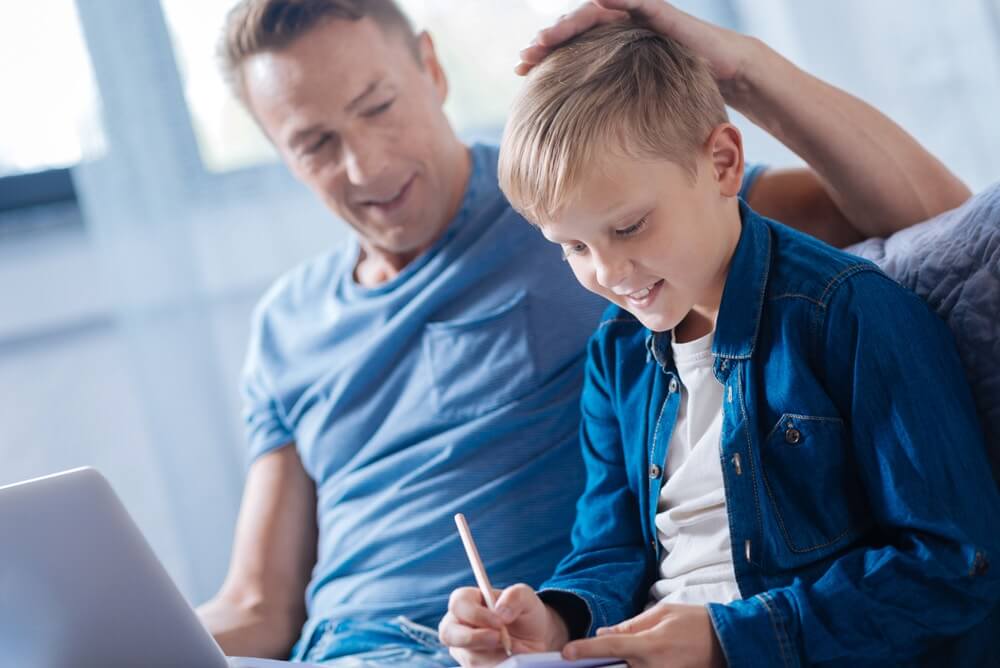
{"points": [[477, 40], [50, 112]]}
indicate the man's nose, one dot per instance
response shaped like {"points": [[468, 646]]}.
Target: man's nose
{"points": [[364, 162]]}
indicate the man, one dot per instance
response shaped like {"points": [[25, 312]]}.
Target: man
{"points": [[433, 365]]}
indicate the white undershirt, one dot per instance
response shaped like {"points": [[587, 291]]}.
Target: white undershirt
{"points": [[691, 519]]}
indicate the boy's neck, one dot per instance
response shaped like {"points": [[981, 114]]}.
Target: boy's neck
{"points": [[702, 318]]}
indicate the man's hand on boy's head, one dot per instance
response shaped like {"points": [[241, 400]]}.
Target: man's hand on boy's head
{"points": [[727, 52], [675, 636], [472, 632]]}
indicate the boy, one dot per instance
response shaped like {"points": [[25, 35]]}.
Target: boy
{"points": [[784, 463]]}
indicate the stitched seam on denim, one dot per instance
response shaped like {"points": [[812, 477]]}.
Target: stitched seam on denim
{"points": [[417, 636], [795, 295], [777, 626], [784, 529], [763, 290], [753, 467], [843, 275], [777, 508], [798, 416], [656, 431]]}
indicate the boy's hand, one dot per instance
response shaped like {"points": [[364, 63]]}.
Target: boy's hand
{"points": [[472, 632], [727, 52], [673, 636]]}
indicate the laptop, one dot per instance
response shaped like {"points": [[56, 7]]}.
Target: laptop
{"points": [[80, 587]]}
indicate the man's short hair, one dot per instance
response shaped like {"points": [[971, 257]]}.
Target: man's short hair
{"points": [[618, 88], [257, 26]]}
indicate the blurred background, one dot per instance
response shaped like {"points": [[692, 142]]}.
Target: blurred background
{"points": [[142, 213]]}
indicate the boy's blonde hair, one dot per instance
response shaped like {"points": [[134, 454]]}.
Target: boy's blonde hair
{"points": [[617, 87]]}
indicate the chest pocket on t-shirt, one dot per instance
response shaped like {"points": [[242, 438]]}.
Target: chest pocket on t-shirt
{"points": [[481, 362]]}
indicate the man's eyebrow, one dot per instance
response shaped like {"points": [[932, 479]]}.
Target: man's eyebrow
{"points": [[302, 134], [356, 102]]}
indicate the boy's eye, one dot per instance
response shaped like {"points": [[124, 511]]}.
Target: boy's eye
{"points": [[573, 249], [317, 145], [631, 229]]}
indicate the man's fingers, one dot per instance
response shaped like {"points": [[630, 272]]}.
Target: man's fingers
{"points": [[468, 608], [577, 22], [534, 54], [454, 633]]}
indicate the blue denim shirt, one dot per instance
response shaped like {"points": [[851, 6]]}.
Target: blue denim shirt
{"points": [[862, 512]]}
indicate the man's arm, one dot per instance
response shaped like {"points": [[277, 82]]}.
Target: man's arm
{"points": [[867, 176], [260, 609]]}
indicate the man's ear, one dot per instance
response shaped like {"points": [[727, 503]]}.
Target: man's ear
{"points": [[431, 65], [725, 151]]}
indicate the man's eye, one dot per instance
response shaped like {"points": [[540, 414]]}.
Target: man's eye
{"points": [[381, 109], [632, 229]]}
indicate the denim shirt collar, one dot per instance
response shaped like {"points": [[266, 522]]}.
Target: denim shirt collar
{"points": [[742, 297]]}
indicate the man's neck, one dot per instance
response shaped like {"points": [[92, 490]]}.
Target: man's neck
{"points": [[376, 266]]}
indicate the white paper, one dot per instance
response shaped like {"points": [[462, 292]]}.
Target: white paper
{"points": [[555, 660], [247, 662]]}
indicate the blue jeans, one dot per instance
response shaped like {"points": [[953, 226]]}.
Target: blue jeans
{"points": [[374, 644]]}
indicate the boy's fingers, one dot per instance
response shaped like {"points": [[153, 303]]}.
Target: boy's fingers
{"points": [[515, 601], [617, 646], [466, 605], [453, 633], [641, 622]]}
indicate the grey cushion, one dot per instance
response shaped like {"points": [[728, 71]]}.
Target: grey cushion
{"points": [[953, 262]]}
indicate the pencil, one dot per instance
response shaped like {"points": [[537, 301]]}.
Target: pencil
{"points": [[480, 572]]}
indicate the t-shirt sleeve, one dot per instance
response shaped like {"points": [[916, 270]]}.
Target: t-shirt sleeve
{"points": [[751, 173], [263, 419]]}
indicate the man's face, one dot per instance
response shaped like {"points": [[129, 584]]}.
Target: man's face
{"points": [[641, 234], [358, 118]]}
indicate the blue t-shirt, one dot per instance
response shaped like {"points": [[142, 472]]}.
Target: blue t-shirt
{"points": [[452, 388]]}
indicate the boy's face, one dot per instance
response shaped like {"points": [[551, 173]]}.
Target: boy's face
{"points": [[641, 234]]}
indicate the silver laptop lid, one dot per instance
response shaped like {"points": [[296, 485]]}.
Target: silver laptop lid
{"points": [[80, 587]]}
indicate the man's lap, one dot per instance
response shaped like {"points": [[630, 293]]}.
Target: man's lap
{"points": [[373, 644]]}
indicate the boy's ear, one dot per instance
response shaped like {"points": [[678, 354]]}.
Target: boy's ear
{"points": [[725, 150]]}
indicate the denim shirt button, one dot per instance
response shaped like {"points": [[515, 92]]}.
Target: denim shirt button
{"points": [[980, 566], [793, 436], [673, 386], [654, 472]]}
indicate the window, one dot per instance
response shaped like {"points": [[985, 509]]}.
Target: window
{"points": [[50, 111], [481, 88]]}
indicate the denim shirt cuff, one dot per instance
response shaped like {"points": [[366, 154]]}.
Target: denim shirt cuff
{"points": [[597, 616], [755, 632]]}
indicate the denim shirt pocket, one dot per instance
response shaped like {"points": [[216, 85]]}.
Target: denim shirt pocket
{"points": [[481, 362], [812, 484]]}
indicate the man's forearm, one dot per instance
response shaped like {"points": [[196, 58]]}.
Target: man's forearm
{"points": [[881, 179], [250, 630]]}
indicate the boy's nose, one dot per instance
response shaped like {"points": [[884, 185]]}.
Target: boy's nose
{"points": [[611, 272]]}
